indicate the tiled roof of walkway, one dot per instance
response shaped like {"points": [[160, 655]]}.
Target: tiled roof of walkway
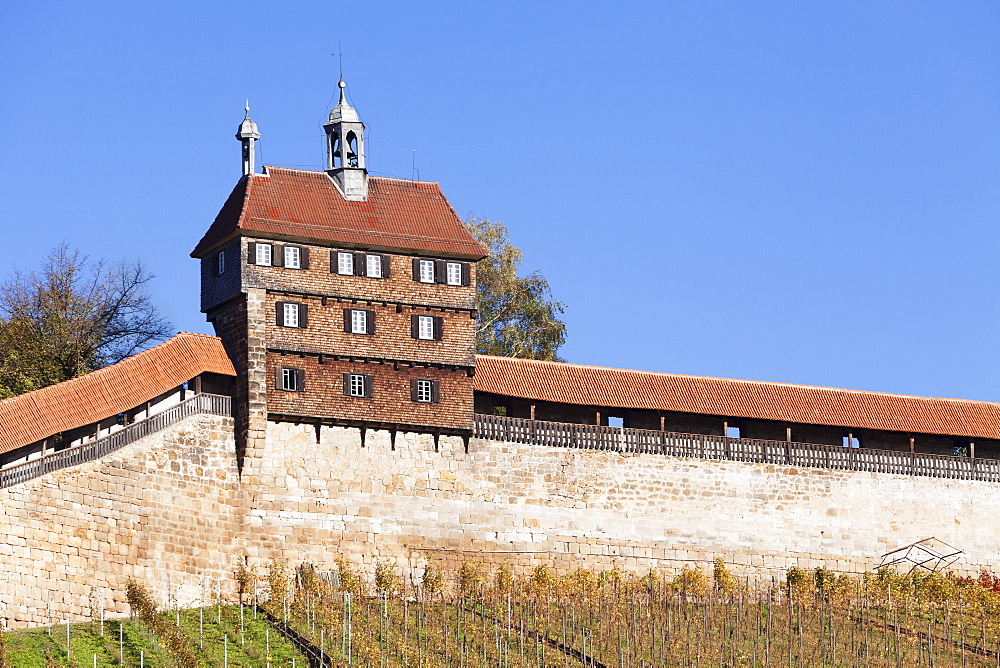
{"points": [[802, 404], [30, 417]]}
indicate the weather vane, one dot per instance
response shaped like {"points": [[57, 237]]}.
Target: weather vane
{"points": [[340, 57]]}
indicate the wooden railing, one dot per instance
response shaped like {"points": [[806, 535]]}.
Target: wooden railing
{"points": [[200, 403], [645, 441]]}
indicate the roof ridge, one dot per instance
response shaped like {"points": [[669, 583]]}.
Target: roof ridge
{"points": [[370, 176], [745, 381]]}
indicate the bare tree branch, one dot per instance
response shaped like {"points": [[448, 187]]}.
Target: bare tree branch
{"points": [[71, 317]]}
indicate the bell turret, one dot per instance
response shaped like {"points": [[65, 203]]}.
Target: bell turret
{"points": [[248, 134], [345, 150]]}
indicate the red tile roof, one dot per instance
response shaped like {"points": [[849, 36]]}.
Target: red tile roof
{"points": [[32, 416], [621, 388], [404, 216]]}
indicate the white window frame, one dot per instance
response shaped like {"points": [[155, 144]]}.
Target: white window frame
{"points": [[289, 379], [359, 321], [373, 266], [453, 273], [345, 263], [425, 327], [220, 262], [426, 271], [425, 391], [357, 385], [264, 255], [293, 257], [290, 314]]}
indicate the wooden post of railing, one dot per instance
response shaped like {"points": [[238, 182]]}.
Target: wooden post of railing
{"points": [[598, 436], [663, 435], [913, 457], [972, 460], [532, 428], [725, 439]]}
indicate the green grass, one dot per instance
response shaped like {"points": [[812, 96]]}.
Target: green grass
{"points": [[36, 647]]}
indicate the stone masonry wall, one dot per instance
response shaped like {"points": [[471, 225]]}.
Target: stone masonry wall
{"points": [[159, 510], [172, 506]]}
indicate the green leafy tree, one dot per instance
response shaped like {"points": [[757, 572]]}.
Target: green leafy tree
{"points": [[71, 317], [517, 315]]}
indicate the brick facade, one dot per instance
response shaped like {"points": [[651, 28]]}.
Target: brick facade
{"points": [[246, 303], [390, 403], [392, 339]]}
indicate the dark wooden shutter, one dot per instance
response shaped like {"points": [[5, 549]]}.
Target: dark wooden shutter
{"points": [[413, 389], [303, 315], [360, 266], [416, 269], [278, 385], [279, 312], [369, 382], [415, 326], [435, 392], [347, 320], [252, 253], [277, 255], [214, 259], [347, 384], [333, 262], [370, 321], [386, 266], [438, 328], [440, 271], [300, 380], [466, 273], [304, 258]]}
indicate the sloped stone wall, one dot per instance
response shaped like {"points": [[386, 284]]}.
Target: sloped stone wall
{"points": [[171, 510]]}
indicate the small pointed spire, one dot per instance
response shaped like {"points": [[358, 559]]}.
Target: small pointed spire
{"points": [[343, 111]]}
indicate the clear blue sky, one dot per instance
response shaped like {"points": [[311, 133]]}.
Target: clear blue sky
{"points": [[793, 191]]}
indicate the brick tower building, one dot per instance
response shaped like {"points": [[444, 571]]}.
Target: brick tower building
{"points": [[343, 299]]}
